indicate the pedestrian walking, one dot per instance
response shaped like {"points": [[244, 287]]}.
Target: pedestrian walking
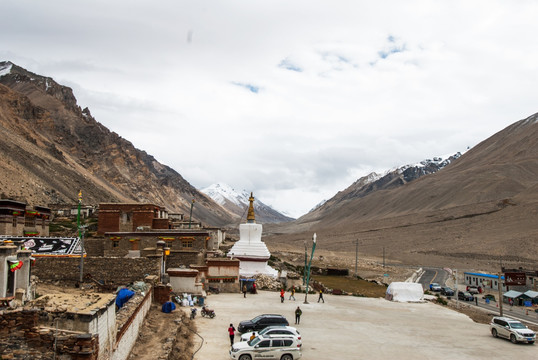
{"points": [[231, 332], [245, 291], [282, 295], [292, 295], [298, 313], [254, 288], [476, 300], [321, 296]]}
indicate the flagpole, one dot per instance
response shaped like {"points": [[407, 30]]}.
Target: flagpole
{"points": [[81, 238]]}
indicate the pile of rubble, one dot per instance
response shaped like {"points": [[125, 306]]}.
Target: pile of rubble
{"points": [[264, 282]]}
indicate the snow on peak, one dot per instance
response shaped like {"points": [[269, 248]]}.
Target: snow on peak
{"points": [[5, 68], [220, 192]]}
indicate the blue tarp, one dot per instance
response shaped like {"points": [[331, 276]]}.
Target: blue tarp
{"points": [[168, 307], [123, 296]]}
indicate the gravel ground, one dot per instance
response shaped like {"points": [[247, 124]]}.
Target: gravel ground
{"points": [[346, 327]]}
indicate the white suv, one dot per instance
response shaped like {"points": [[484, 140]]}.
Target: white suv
{"points": [[267, 347], [511, 329]]}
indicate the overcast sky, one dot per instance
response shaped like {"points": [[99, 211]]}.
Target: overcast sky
{"points": [[293, 100]]}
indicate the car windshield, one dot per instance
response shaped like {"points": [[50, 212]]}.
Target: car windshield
{"points": [[254, 341], [256, 318], [517, 325]]}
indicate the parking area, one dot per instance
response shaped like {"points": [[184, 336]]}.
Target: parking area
{"points": [[348, 327]]}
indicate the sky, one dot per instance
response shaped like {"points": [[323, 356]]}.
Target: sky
{"points": [[292, 100]]}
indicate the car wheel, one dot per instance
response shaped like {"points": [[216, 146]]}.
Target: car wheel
{"points": [[286, 357], [494, 332], [245, 357], [513, 339]]}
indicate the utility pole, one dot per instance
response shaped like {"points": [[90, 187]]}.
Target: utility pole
{"points": [[383, 256], [500, 285], [190, 216], [456, 288], [356, 255]]}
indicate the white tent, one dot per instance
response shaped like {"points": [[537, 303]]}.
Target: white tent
{"points": [[404, 292]]}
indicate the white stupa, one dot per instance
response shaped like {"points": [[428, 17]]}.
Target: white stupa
{"points": [[250, 249]]}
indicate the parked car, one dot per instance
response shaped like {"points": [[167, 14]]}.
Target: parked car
{"points": [[435, 287], [267, 347], [261, 322], [489, 296], [472, 289], [275, 330], [447, 291], [465, 295], [511, 329]]}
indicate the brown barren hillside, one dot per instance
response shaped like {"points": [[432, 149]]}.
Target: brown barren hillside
{"points": [[479, 211], [51, 148]]}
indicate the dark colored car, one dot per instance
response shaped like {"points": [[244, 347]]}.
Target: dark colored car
{"points": [[261, 322], [464, 295], [489, 297], [447, 291]]}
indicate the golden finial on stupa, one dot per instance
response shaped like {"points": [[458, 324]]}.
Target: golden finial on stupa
{"points": [[250, 216]]}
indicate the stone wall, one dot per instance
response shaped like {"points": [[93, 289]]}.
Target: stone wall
{"points": [[114, 271], [21, 338], [94, 247]]}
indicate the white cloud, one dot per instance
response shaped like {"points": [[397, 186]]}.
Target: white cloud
{"points": [[291, 100]]}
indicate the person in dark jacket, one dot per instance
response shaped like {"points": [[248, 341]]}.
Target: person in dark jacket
{"points": [[321, 295], [298, 313]]}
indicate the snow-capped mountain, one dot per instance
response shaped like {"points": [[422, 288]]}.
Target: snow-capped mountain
{"points": [[391, 179], [237, 203]]}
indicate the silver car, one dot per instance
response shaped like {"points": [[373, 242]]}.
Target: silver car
{"points": [[511, 329], [274, 330]]}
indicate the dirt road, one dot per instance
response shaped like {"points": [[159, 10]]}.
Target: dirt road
{"points": [[346, 327]]}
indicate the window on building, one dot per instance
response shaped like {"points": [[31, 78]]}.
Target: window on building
{"points": [[115, 243], [14, 222], [187, 244]]}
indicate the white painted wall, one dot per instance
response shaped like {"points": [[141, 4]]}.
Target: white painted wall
{"points": [[125, 345]]}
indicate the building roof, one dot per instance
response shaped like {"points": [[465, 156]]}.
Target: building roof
{"points": [[512, 294], [531, 294], [491, 276]]}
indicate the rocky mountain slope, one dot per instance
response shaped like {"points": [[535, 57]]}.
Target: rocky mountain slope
{"points": [[375, 182], [480, 208], [237, 203], [51, 148]]}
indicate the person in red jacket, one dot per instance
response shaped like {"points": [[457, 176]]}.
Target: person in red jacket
{"points": [[231, 332], [282, 295]]}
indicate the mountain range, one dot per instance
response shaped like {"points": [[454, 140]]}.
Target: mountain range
{"points": [[478, 211], [238, 202], [477, 207]]}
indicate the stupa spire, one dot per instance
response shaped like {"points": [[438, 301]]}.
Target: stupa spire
{"points": [[251, 218]]}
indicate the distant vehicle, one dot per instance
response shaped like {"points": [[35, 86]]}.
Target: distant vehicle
{"points": [[511, 329], [489, 296], [465, 295], [472, 289], [447, 291], [435, 287], [267, 347], [275, 330], [261, 322]]}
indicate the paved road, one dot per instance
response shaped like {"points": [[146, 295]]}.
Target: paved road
{"points": [[431, 275]]}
